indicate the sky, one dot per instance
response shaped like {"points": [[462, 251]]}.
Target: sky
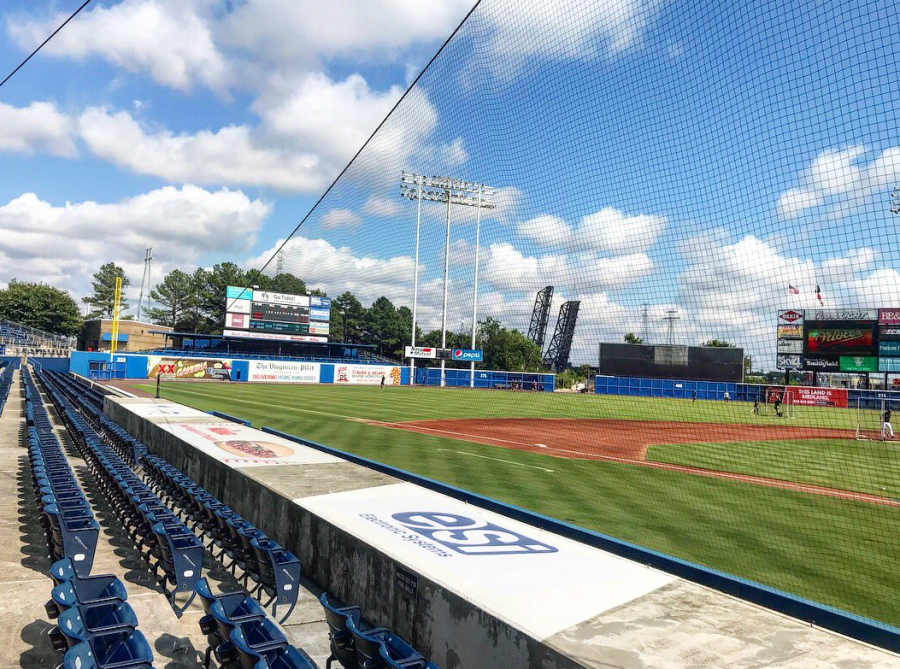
{"points": [[684, 157]]}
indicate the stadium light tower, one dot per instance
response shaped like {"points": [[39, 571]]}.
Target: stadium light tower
{"points": [[895, 200], [452, 191]]}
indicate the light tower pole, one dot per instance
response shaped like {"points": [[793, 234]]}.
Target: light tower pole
{"points": [[452, 191]]}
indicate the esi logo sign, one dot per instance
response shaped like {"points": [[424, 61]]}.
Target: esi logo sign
{"points": [[468, 354], [469, 536]]}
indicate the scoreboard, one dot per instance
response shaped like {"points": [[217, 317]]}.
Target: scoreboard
{"points": [[262, 314]]}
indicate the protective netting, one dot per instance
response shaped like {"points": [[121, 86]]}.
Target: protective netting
{"points": [[684, 171]]}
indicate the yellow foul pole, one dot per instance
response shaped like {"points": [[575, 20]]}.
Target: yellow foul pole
{"points": [[117, 306]]}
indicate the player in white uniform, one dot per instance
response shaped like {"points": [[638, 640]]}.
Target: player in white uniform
{"points": [[886, 427]]}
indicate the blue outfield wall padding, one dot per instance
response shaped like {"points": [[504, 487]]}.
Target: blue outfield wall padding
{"points": [[226, 416], [837, 620], [240, 370], [326, 373]]}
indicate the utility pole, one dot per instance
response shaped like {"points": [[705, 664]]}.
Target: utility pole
{"points": [[670, 317], [145, 280]]}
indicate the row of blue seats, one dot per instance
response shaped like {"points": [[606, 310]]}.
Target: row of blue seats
{"points": [[66, 517], [6, 378], [96, 627], [237, 629], [173, 553], [274, 571]]}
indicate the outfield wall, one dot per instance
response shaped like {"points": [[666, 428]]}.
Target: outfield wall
{"points": [[96, 365], [741, 392], [461, 378]]}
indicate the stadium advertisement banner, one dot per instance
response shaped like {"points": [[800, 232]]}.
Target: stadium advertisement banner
{"points": [[850, 363], [421, 352], [238, 293], [790, 346], [845, 315], [783, 361], [317, 301], [889, 348], [889, 364], [889, 333], [794, 331], [837, 339], [248, 334], [280, 298], [468, 354], [789, 317], [189, 368], [818, 397], [821, 364], [319, 314], [163, 409], [240, 446], [889, 316], [367, 375], [274, 371], [239, 306], [317, 328], [489, 556], [233, 320]]}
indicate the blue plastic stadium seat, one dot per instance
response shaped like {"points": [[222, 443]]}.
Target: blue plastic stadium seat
{"points": [[85, 591], [256, 640], [279, 574], [81, 623], [367, 644], [340, 639], [286, 658], [119, 650]]}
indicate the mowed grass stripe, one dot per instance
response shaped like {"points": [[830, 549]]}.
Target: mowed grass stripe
{"points": [[837, 552]]}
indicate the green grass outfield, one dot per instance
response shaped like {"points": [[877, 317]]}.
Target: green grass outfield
{"points": [[838, 552]]}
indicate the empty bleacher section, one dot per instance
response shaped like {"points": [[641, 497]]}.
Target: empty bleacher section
{"points": [[22, 340], [173, 520]]}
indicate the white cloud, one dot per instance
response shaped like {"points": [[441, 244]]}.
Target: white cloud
{"points": [[837, 180], [296, 34], [337, 269], [231, 155], [561, 30], [608, 230], [382, 207], [507, 268], [38, 127], [339, 218], [171, 40], [64, 245]]}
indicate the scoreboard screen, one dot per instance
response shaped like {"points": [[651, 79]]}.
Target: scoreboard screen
{"points": [[261, 314]]}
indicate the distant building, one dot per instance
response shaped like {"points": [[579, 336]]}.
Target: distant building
{"points": [[96, 335]]}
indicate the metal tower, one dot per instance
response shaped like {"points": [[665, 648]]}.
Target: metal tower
{"points": [[557, 355], [145, 279], [540, 316], [670, 317]]}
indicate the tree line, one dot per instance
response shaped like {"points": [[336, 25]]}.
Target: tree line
{"points": [[195, 302]]}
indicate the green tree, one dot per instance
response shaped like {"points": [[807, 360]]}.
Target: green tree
{"points": [[632, 338], [507, 349], [382, 327], [40, 306], [718, 343], [287, 283], [347, 316], [211, 291], [103, 299], [176, 294]]}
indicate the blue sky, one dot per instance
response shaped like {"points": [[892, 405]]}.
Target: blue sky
{"points": [[684, 156]]}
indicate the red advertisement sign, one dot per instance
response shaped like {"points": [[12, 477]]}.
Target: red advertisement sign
{"points": [[839, 340], [816, 397], [889, 316]]}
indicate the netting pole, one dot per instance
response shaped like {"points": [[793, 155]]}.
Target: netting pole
{"points": [[475, 289], [412, 360], [446, 278]]}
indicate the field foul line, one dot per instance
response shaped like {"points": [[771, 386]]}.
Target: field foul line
{"points": [[485, 457]]}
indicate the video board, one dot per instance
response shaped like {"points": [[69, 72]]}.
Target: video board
{"points": [[839, 340], [263, 314]]}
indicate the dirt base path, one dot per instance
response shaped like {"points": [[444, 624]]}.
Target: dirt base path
{"points": [[627, 442]]}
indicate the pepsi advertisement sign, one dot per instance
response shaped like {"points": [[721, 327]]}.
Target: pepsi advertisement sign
{"points": [[468, 354]]}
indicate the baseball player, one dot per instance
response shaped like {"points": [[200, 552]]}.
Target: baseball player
{"points": [[886, 427]]}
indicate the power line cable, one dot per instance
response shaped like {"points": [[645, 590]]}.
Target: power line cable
{"points": [[41, 46]]}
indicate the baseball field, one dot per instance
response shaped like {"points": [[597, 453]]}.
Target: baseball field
{"points": [[797, 504]]}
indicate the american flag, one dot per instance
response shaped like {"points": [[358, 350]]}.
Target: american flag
{"points": [[793, 290]]}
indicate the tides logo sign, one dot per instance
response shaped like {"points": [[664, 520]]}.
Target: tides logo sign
{"points": [[469, 536]]}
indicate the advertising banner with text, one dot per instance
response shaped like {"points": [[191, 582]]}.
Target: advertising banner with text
{"points": [[855, 339], [817, 397], [189, 368], [367, 375], [276, 371], [889, 316]]}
